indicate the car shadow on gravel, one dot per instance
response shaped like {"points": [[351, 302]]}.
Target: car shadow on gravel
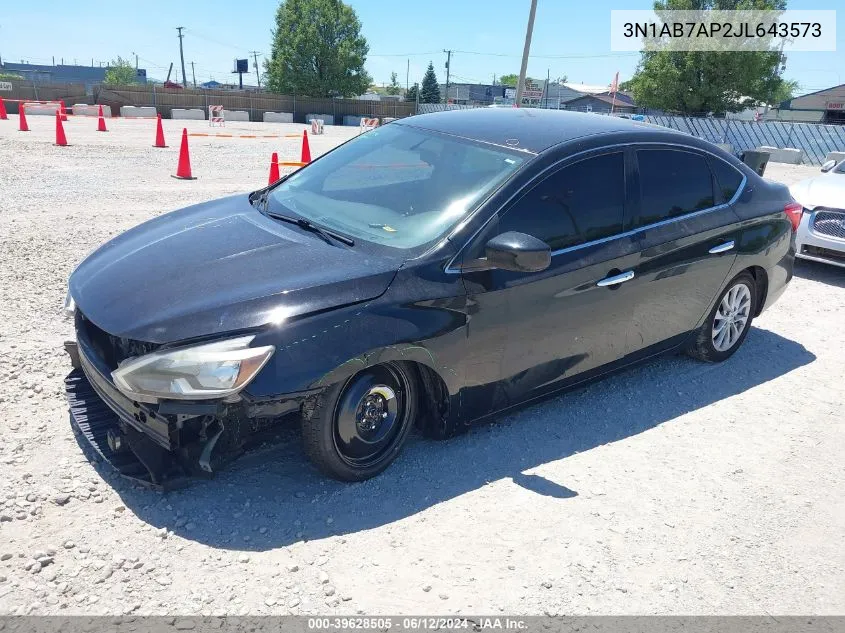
{"points": [[274, 497], [823, 273]]}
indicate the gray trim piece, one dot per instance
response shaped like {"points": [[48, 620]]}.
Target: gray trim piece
{"points": [[452, 270]]}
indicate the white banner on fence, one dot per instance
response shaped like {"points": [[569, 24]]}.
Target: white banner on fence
{"points": [[5, 86]]}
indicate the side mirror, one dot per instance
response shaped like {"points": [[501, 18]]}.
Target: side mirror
{"points": [[518, 252], [827, 166]]}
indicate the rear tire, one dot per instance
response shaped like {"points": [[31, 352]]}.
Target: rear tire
{"points": [[355, 429], [727, 325]]}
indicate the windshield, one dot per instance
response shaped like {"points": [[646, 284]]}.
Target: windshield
{"points": [[396, 185]]}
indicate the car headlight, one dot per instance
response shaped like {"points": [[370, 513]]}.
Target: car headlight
{"points": [[70, 305], [200, 372]]}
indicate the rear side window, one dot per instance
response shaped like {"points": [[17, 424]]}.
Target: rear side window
{"points": [[579, 203], [672, 183], [728, 178]]}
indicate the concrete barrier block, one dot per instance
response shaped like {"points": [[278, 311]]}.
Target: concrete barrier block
{"points": [[789, 155], [726, 146], [328, 119], [351, 119], [278, 117], [134, 112], [837, 156], [236, 115], [41, 108], [193, 114], [84, 109]]}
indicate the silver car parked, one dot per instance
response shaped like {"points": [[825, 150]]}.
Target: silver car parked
{"points": [[821, 233]]}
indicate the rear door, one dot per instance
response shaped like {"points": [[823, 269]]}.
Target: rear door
{"points": [[685, 229]]}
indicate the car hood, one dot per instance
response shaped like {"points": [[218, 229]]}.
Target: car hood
{"points": [[217, 267], [827, 190]]}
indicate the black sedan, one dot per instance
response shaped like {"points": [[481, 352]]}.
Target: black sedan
{"points": [[429, 273]]}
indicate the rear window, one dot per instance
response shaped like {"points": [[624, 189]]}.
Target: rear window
{"points": [[672, 183]]}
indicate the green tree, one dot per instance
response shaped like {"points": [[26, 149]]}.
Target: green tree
{"points": [[411, 95], [394, 88], [121, 72], [710, 81], [318, 50], [430, 92], [509, 80]]}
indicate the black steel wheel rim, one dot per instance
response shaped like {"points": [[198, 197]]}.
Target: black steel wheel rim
{"points": [[371, 416]]}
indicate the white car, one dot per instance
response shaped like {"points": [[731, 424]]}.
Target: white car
{"points": [[821, 233]]}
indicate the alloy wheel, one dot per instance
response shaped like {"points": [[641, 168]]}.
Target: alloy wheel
{"points": [[731, 318]]}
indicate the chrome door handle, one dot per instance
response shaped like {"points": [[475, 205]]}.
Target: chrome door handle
{"points": [[621, 278], [721, 248]]}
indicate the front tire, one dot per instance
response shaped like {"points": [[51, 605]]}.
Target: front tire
{"points": [[357, 427], [727, 325]]}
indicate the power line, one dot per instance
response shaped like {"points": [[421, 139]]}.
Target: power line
{"points": [[203, 36], [597, 55]]}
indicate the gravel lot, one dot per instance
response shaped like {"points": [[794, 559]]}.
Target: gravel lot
{"points": [[674, 488]]}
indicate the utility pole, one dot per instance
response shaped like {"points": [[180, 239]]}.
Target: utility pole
{"points": [[520, 86], [182, 55], [448, 69], [136, 60], [194, 74], [255, 55]]}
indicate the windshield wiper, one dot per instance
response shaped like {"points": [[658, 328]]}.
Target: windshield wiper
{"points": [[326, 234]]}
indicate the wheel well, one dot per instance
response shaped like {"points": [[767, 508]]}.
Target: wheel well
{"points": [[433, 396], [761, 280]]}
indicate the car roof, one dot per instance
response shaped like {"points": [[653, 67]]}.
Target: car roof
{"points": [[529, 129]]}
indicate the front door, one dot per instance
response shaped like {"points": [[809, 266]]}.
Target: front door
{"points": [[532, 331]]}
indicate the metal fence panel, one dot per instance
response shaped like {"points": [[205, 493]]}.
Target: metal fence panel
{"points": [[814, 139]]}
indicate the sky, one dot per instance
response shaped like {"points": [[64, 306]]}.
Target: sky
{"points": [[570, 38]]}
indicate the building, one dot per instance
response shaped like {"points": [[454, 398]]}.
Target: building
{"points": [[822, 106], [602, 103], [478, 94], [62, 74]]}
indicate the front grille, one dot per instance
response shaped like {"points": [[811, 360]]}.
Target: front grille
{"points": [[112, 350], [831, 223]]}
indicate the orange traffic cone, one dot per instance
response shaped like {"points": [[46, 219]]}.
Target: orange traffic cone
{"points": [[274, 168], [101, 122], [306, 150], [23, 127], [61, 140], [62, 110], [183, 170], [3, 115], [159, 133]]}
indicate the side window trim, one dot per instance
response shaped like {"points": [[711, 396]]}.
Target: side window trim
{"points": [[453, 267]]}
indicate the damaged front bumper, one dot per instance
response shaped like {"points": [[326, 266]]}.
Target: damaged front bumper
{"points": [[162, 445]]}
